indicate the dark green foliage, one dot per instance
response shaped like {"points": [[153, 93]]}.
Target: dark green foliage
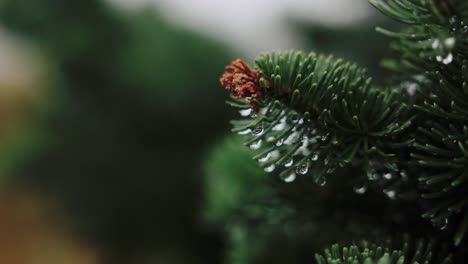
{"points": [[434, 49], [408, 252], [270, 221]]}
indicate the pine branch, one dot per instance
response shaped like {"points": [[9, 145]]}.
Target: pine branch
{"points": [[315, 113], [434, 52], [410, 252]]}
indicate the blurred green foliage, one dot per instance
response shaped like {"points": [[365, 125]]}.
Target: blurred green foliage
{"points": [[117, 156]]}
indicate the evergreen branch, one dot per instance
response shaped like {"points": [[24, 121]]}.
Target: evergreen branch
{"points": [[315, 113], [410, 252]]}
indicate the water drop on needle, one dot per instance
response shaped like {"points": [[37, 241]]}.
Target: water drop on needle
{"points": [[388, 176], [302, 169], [450, 42], [314, 158], [322, 182], [280, 142], [256, 145], [270, 168], [245, 132], [436, 44], [265, 159], [360, 189], [245, 112], [289, 163], [390, 194], [291, 177], [444, 225], [258, 131], [448, 59]]}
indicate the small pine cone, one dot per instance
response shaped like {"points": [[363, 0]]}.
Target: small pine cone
{"points": [[241, 81]]}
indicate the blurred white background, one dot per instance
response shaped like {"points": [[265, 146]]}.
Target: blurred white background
{"points": [[239, 23]]}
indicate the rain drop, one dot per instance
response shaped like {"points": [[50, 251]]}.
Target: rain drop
{"points": [[280, 126], [270, 168], [453, 20], [445, 224], [321, 181], [440, 225], [280, 142], [245, 132], [302, 169], [360, 189], [289, 163], [291, 177], [404, 176], [258, 131], [325, 137], [411, 88], [388, 176], [314, 158], [256, 145], [445, 60], [448, 59], [390, 194], [436, 44], [245, 112], [265, 159], [450, 42]]}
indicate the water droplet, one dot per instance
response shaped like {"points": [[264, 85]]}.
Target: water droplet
{"points": [[450, 42], [256, 145], [453, 20], [436, 44], [280, 126], [411, 88], [445, 225], [404, 176], [390, 194], [270, 139], [245, 132], [360, 189], [372, 175], [270, 168], [321, 181], [304, 139], [448, 59], [325, 137], [293, 138], [274, 154], [280, 142], [331, 170], [388, 176], [265, 159], [303, 169], [245, 112], [440, 225], [258, 131], [289, 163], [314, 158], [290, 178], [445, 60]]}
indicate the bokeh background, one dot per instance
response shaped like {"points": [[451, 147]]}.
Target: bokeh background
{"points": [[114, 133]]}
